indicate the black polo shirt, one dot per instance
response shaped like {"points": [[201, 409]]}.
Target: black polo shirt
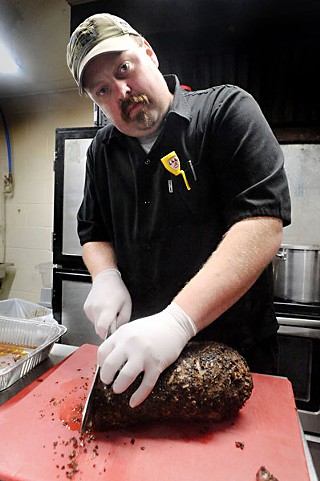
{"points": [[162, 232]]}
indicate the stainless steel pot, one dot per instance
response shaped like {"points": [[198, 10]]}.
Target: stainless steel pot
{"points": [[296, 273]]}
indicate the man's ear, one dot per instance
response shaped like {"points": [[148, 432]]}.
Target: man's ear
{"points": [[149, 51]]}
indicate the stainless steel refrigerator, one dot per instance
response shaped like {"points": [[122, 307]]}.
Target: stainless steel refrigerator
{"points": [[71, 280]]}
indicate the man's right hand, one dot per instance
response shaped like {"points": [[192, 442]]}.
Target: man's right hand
{"points": [[108, 304]]}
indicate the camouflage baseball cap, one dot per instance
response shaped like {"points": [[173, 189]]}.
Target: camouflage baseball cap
{"points": [[98, 34]]}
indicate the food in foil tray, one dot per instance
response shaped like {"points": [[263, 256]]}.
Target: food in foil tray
{"points": [[11, 353], [24, 343]]}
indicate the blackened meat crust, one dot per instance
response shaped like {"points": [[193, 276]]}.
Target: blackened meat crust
{"points": [[208, 382]]}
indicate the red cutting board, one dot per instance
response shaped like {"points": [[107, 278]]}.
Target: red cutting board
{"points": [[39, 437]]}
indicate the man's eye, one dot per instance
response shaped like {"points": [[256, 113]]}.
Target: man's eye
{"points": [[124, 67], [102, 91]]}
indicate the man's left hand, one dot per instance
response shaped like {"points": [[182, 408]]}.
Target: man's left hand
{"points": [[148, 345]]}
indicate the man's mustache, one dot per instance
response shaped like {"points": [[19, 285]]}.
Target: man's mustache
{"points": [[133, 100]]}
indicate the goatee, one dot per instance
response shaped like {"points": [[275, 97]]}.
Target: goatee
{"points": [[142, 115]]}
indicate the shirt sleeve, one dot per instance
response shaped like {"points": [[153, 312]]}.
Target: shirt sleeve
{"points": [[95, 225], [248, 160]]}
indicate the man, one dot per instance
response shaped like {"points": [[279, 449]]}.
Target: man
{"points": [[181, 250]]}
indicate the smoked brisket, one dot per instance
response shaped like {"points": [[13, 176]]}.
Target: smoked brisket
{"points": [[208, 382]]}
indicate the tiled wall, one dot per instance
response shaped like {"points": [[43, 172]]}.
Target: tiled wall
{"points": [[28, 211]]}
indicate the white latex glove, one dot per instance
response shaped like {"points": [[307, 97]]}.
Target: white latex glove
{"points": [[108, 304], [149, 344]]}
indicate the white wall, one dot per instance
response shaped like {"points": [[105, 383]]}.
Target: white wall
{"points": [[32, 121]]}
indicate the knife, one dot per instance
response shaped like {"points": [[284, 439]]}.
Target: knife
{"points": [[87, 413]]}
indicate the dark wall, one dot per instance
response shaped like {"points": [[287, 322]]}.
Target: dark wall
{"points": [[269, 47]]}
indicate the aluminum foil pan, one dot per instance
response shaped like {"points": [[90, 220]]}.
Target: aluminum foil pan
{"points": [[37, 339]]}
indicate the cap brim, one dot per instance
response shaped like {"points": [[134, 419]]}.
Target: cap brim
{"points": [[114, 44]]}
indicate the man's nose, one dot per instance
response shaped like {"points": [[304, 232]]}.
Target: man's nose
{"points": [[122, 89]]}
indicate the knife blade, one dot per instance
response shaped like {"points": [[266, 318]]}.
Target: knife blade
{"points": [[86, 422], [87, 410]]}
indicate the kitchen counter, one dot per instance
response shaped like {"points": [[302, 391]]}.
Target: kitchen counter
{"points": [[60, 352]]}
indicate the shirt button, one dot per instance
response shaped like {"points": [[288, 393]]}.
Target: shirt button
{"points": [[147, 161]]}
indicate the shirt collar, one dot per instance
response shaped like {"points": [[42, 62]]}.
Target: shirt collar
{"points": [[180, 105]]}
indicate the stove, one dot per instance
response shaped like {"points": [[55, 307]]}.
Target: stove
{"points": [[287, 308], [299, 357]]}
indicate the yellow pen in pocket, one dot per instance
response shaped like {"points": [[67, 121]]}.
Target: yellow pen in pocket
{"points": [[172, 163]]}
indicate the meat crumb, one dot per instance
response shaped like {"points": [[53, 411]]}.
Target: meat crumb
{"points": [[239, 444], [264, 475]]}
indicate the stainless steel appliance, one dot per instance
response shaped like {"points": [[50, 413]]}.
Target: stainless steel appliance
{"points": [[297, 281], [299, 361], [71, 280]]}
